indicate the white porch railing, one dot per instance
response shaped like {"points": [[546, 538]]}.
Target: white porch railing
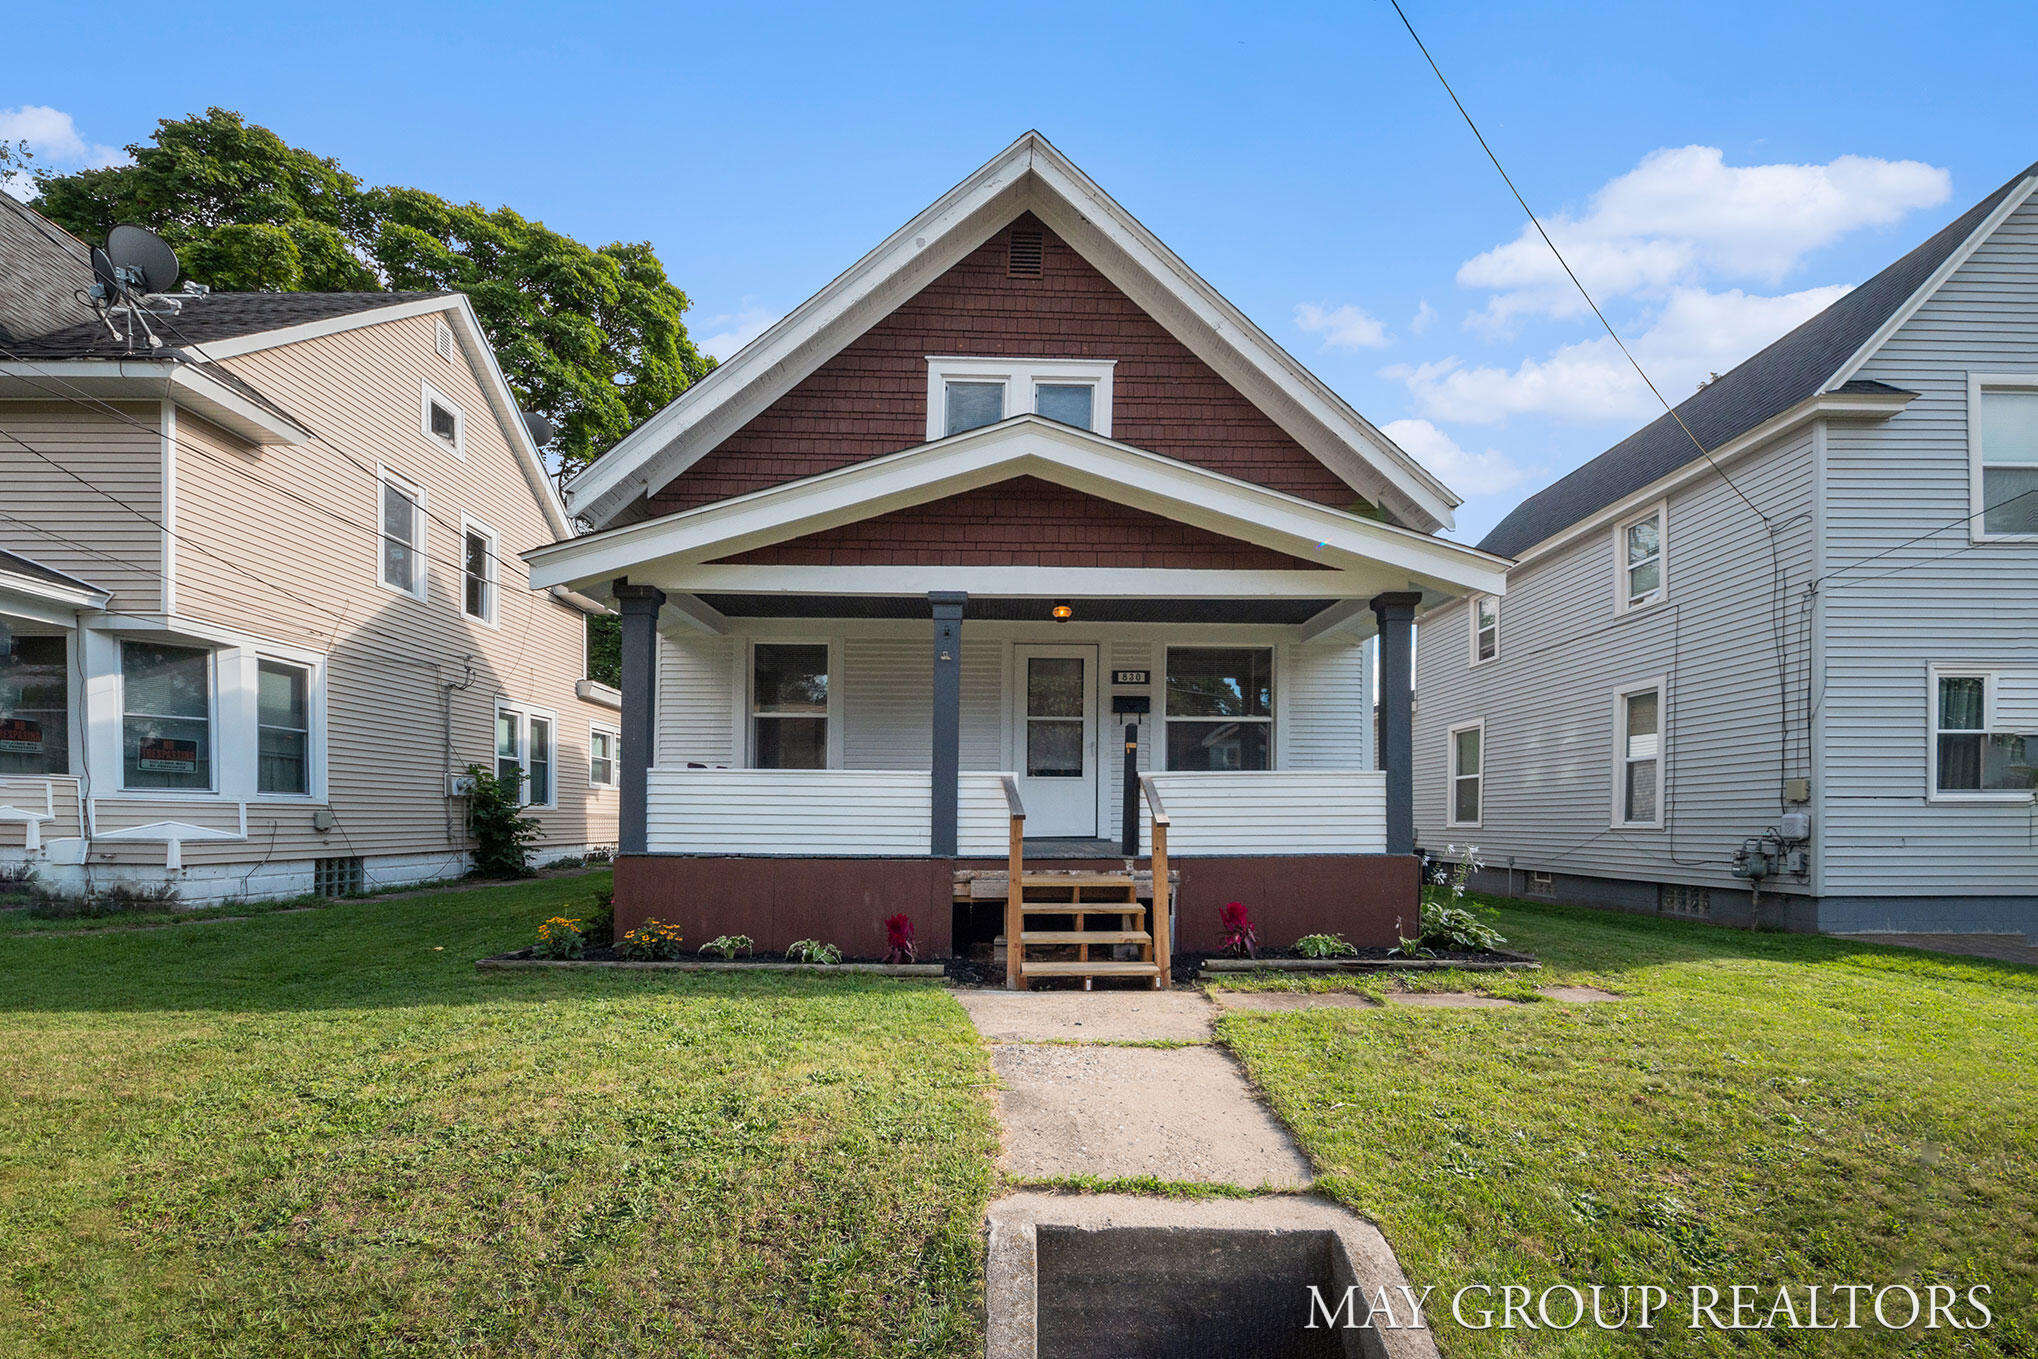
{"points": [[1283, 811], [825, 812], [46, 807]]}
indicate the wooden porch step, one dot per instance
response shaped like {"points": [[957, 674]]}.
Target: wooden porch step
{"points": [[1092, 969], [1079, 880], [985, 885], [1131, 910], [1083, 937]]}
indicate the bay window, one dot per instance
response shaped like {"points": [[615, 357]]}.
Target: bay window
{"points": [[283, 732], [789, 706], [35, 705], [166, 717], [1220, 708]]}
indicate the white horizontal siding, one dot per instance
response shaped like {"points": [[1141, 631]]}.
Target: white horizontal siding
{"points": [[983, 817], [788, 811], [697, 720], [1276, 812], [1328, 712], [55, 796]]}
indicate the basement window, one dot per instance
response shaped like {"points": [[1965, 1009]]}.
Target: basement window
{"points": [[338, 877], [969, 393]]}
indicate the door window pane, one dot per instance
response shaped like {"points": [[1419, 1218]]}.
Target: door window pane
{"points": [[283, 711], [1070, 403], [166, 728], [974, 404], [1054, 749], [1054, 686], [35, 706]]}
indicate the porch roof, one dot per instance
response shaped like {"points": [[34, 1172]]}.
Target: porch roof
{"points": [[1350, 558], [43, 592]]}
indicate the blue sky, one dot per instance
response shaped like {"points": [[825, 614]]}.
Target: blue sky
{"points": [[1720, 171]]}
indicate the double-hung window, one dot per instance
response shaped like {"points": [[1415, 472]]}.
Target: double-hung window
{"points": [[1639, 545], [480, 570], [1468, 774], [1977, 747], [603, 763], [968, 393], [2002, 433], [789, 706], [525, 753], [403, 536], [1220, 707], [1638, 761], [35, 705], [1485, 627], [283, 730], [166, 717]]}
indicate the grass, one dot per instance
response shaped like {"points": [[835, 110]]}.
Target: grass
{"points": [[326, 1134], [1758, 1109]]}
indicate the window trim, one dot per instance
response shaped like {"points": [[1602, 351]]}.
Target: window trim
{"points": [[1453, 775], [1472, 610], [1659, 684], [212, 733], [420, 529], [1990, 676], [1977, 385], [524, 712], [832, 739], [1162, 719], [491, 616], [430, 394], [1660, 511], [1021, 375], [615, 734]]}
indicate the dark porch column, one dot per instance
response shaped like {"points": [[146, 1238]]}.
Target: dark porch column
{"points": [[1396, 612], [947, 771], [640, 605]]}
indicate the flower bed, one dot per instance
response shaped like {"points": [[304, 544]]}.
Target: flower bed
{"points": [[606, 956]]}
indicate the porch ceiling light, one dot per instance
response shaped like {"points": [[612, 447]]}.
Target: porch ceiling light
{"points": [[1063, 612]]}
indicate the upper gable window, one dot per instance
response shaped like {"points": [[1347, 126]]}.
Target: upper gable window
{"points": [[2003, 455], [968, 393], [443, 423], [1640, 549]]}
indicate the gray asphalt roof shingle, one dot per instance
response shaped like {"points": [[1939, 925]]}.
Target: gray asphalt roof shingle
{"points": [[214, 316], [1793, 368], [35, 570]]}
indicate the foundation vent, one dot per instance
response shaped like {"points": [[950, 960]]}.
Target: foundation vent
{"points": [[1540, 884], [337, 877], [1024, 253], [1693, 903]]}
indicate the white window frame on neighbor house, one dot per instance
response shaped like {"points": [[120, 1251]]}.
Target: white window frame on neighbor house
{"points": [[596, 730], [1623, 595], [524, 714], [1623, 756], [492, 582], [1457, 775], [1992, 725], [1479, 629], [747, 683], [420, 530], [457, 445], [1978, 386], [1020, 377]]}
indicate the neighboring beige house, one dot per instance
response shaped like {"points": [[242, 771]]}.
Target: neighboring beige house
{"points": [[260, 592]]}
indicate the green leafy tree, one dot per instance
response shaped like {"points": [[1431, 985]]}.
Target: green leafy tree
{"points": [[605, 650], [595, 339]]}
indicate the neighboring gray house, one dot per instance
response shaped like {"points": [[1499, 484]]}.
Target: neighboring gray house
{"points": [[1823, 637]]}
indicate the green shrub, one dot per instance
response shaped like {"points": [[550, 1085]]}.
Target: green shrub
{"points": [[1324, 946], [654, 941], [1448, 924], [813, 951], [727, 946], [561, 937], [503, 831], [600, 925]]}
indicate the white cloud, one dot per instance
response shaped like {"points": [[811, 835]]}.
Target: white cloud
{"points": [[1467, 473], [730, 331], [1424, 316], [1345, 327], [1695, 333], [1683, 215], [54, 138]]}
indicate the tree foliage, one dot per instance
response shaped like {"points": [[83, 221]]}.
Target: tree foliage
{"points": [[595, 339]]}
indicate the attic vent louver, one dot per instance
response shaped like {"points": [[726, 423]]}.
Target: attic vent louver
{"points": [[443, 341], [1024, 254]]}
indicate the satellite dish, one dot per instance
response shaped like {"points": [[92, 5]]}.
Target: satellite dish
{"points": [[102, 273], [146, 257], [539, 428]]}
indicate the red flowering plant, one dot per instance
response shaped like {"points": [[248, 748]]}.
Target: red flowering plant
{"points": [[899, 938], [1240, 939]]}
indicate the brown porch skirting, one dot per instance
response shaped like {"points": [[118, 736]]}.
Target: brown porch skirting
{"points": [[1371, 899]]}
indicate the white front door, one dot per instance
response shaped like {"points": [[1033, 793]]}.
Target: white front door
{"points": [[1055, 725]]}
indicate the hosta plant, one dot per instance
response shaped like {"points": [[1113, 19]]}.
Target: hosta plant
{"points": [[813, 951], [654, 941], [1324, 946], [1448, 923], [727, 946]]}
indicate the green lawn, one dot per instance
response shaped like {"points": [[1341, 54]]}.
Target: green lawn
{"points": [[1758, 1109], [325, 1134]]}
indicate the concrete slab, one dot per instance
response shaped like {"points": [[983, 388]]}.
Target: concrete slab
{"points": [[1119, 1112], [1293, 1000], [1450, 1000], [1087, 1016], [1577, 995], [1184, 1240]]}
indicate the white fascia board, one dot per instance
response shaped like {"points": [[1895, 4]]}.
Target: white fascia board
{"points": [[1021, 446], [1828, 405], [140, 379], [1028, 175], [1021, 582], [1926, 290], [45, 601]]}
